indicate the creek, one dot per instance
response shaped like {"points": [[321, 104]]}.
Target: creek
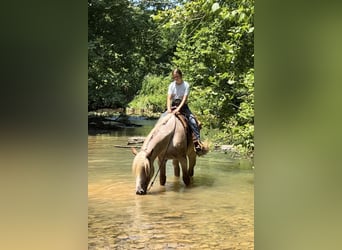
{"points": [[215, 212]]}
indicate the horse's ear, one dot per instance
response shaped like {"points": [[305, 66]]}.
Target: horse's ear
{"points": [[134, 151]]}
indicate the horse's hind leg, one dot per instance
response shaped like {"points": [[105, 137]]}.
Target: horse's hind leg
{"points": [[192, 163], [176, 168], [162, 174], [184, 164]]}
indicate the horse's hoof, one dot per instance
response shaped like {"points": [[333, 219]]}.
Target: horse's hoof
{"points": [[162, 181], [186, 181], [140, 192]]}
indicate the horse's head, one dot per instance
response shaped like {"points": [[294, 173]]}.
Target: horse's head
{"points": [[143, 171]]}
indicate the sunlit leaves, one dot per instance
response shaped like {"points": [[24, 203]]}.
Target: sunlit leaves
{"points": [[211, 41], [152, 94], [215, 50], [123, 48], [215, 7]]}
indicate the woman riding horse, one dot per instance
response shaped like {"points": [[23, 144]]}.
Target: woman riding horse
{"points": [[177, 95]]}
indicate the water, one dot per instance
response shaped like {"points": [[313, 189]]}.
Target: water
{"points": [[215, 212]]}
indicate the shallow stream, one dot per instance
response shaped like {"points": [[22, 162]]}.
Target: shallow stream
{"points": [[215, 212]]}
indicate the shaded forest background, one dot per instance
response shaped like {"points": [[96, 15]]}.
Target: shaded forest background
{"points": [[134, 45]]}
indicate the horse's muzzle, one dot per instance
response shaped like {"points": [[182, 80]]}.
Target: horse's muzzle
{"points": [[140, 192]]}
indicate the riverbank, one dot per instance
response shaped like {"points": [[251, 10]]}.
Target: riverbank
{"points": [[107, 120], [113, 119]]}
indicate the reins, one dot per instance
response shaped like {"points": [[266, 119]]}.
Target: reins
{"points": [[163, 157]]}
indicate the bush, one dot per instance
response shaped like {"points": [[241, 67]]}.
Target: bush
{"points": [[152, 96]]}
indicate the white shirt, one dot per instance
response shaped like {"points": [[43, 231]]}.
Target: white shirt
{"points": [[178, 91]]}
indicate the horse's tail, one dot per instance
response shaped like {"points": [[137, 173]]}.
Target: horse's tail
{"points": [[205, 148]]}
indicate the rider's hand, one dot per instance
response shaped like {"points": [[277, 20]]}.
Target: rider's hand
{"points": [[176, 111]]}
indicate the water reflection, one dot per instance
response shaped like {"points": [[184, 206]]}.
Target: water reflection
{"points": [[215, 212]]}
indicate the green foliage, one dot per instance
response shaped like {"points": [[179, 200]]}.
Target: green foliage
{"points": [[134, 44], [121, 51], [215, 50], [152, 95]]}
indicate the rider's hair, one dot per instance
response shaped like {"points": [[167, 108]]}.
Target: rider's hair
{"points": [[177, 71]]}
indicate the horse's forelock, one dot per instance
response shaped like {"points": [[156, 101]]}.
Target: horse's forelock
{"points": [[141, 160], [138, 162], [147, 167]]}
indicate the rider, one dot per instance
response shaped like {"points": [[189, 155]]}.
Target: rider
{"points": [[178, 96]]}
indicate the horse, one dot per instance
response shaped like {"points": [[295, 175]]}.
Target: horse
{"points": [[169, 139]]}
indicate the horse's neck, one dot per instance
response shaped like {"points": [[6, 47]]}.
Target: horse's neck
{"points": [[159, 138], [156, 143]]}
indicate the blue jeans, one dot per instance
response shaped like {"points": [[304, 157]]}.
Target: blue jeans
{"points": [[192, 121]]}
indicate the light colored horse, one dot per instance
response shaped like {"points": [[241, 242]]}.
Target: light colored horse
{"points": [[169, 139]]}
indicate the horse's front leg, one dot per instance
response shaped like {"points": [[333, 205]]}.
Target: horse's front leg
{"points": [[184, 163], [162, 174], [176, 169]]}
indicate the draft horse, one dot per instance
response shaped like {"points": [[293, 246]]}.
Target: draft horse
{"points": [[169, 139]]}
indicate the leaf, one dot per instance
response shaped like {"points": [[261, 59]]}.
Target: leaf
{"points": [[230, 82], [215, 7], [242, 17]]}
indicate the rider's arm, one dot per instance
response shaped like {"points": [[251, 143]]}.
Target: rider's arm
{"points": [[185, 98], [168, 103]]}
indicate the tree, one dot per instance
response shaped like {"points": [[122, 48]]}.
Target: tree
{"points": [[120, 51], [140, 41], [215, 50]]}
